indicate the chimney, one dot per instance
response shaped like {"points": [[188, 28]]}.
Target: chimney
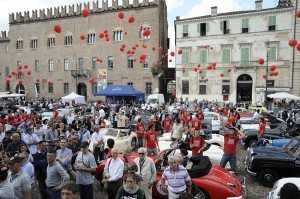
{"points": [[258, 4], [177, 17], [214, 11]]}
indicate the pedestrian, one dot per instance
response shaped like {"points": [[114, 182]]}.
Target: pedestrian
{"points": [[13, 147], [83, 133], [147, 170], [40, 167], [167, 124], [56, 176], [69, 190], [19, 179], [64, 155], [197, 144], [261, 130], [177, 130], [151, 141], [98, 143], [140, 130], [6, 187], [27, 166], [177, 177], [231, 137], [130, 189], [113, 174], [215, 125], [85, 165], [122, 120]]}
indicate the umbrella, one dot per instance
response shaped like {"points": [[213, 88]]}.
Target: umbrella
{"points": [[283, 95]]}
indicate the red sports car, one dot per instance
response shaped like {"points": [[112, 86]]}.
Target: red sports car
{"points": [[209, 181]]}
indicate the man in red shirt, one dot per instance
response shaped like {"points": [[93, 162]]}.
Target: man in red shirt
{"points": [[197, 123], [261, 131], [140, 128], [167, 123], [151, 141], [231, 137], [200, 114], [197, 144]]}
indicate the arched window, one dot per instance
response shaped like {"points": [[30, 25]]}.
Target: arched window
{"points": [[68, 38], [33, 42], [19, 43], [51, 40], [118, 33]]}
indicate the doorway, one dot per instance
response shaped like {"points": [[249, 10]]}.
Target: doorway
{"points": [[81, 89], [244, 88]]}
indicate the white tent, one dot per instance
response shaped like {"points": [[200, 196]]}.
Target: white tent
{"points": [[78, 99], [283, 95]]}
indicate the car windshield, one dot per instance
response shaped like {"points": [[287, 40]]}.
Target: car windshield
{"points": [[152, 101], [112, 132]]}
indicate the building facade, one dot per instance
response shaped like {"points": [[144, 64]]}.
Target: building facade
{"points": [[61, 63], [234, 42]]}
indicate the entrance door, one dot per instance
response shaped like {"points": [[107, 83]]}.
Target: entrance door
{"points": [[20, 89], [81, 89], [244, 88]]}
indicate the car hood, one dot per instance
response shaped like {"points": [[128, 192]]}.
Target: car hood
{"points": [[272, 152]]}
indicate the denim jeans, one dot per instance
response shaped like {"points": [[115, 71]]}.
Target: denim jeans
{"points": [[229, 158], [86, 191], [53, 194], [140, 142]]}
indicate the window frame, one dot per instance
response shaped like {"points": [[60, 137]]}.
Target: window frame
{"points": [[37, 67], [110, 62], [50, 88], [68, 40], [33, 44], [66, 88], [118, 35], [51, 42], [202, 84], [50, 65], [185, 30], [148, 88], [66, 64], [19, 44], [185, 84], [225, 87], [130, 61], [90, 38]]}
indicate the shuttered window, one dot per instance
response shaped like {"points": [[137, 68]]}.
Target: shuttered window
{"points": [[245, 23], [272, 20], [203, 56], [245, 56], [185, 30], [185, 87], [226, 57], [272, 53], [185, 58]]}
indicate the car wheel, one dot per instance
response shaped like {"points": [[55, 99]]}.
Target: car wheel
{"points": [[133, 143], [200, 193], [267, 177]]}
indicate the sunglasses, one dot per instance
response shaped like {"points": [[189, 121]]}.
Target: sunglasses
{"points": [[141, 153]]}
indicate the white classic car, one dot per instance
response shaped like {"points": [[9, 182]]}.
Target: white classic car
{"points": [[274, 194], [215, 139], [214, 152], [124, 138]]}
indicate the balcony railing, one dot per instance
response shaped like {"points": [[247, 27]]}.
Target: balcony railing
{"points": [[80, 73]]}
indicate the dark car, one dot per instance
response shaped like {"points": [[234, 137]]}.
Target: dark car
{"points": [[250, 138], [269, 164]]}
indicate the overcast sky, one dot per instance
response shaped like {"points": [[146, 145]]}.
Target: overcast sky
{"points": [[182, 8]]}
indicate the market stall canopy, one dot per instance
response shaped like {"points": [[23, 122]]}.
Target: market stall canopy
{"points": [[121, 91], [8, 95], [78, 99], [283, 95]]}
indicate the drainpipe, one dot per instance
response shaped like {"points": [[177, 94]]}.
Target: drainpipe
{"points": [[294, 36]]}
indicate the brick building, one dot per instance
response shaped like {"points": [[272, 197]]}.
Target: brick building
{"points": [[61, 63]]}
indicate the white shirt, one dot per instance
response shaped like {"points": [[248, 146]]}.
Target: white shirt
{"points": [[32, 138], [2, 135], [114, 168], [70, 119], [215, 125], [101, 113], [29, 169], [84, 137], [39, 132], [96, 137]]}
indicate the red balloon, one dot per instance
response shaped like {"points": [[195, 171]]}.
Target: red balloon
{"points": [[105, 31], [131, 19], [172, 54], [20, 72], [91, 80], [101, 35], [275, 73], [264, 76], [195, 69], [106, 35], [57, 28], [7, 81], [170, 60], [183, 70], [13, 73], [125, 33], [214, 64], [141, 61], [293, 42], [133, 48], [221, 75], [37, 80], [298, 13], [25, 66], [143, 57], [163, 56], [198, 65], [9, 75], [136, 45], [99, 60], [20, 82], [179, 51], [272, 68], [261, 61], [153, 48], [272, 73], [85, 12], [209, 67], [144, 46], [82, 37], [229, 70], [132, 52], [20, 67], [121, 15], [160, 49], [123, 45], [28, 72], [107, 39], [121, 49], [298, 47], [146, 32], [213, 67], [128, 52]]}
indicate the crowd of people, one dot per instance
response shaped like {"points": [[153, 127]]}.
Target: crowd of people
{"points": [[55, 155]]}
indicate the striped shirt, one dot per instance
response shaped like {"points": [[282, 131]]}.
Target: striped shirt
{"points": [[176, 181]]}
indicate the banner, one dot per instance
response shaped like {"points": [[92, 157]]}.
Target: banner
{"points": [[102, 80]]}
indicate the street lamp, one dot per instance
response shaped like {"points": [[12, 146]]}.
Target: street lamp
{"points": [[267, 71]]}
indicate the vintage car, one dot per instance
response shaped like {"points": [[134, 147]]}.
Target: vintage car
{"points": [[275, 193], [124, 138], [209, 181], [272, 163]]}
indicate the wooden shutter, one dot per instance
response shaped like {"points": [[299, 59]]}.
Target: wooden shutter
{"points": [[245, 23], [207, 27], [272, 53], [221, 25], [245, 55], [272, 20], [185, 58], [185, 28], [203, 56], [226, 55], [198, 27]]}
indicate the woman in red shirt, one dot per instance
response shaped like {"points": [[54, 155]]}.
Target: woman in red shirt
{"points": [[262, 129], [197, 144], [151, 141], [140, 128]]}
